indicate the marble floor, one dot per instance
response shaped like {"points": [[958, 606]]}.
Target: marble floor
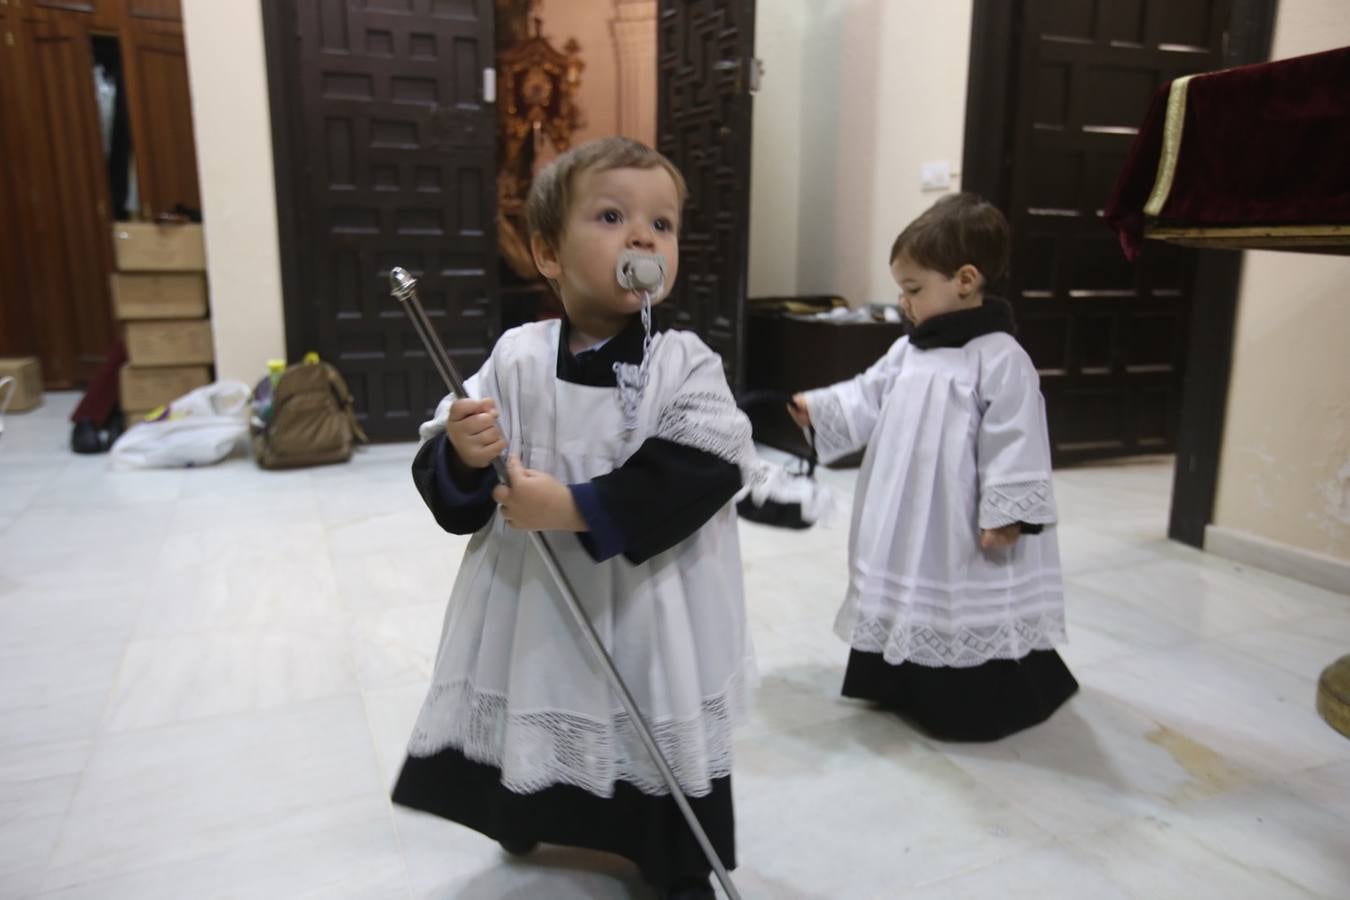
{"points": [[207, 677]]}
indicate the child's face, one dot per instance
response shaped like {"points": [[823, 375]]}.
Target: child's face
{"points": [[612, 211], [925, 293]]}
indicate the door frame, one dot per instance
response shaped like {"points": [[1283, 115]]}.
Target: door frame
{"points": [[985, 166], [279, 25]]}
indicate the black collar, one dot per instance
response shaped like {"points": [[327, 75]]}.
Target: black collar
{"points": [[956, 329], [595, 368]]}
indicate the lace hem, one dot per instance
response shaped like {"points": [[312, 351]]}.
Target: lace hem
{"points": [[959, 648], [536, 750], [1032, 502]]}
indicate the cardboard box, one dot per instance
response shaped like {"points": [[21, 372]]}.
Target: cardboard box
{"points": [[143, 295], [169, 342], [27, 387], [147, 247], [144, 389]]}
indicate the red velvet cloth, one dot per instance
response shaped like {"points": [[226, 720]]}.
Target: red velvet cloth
{"points": [[104, 392], [1267, 144]]}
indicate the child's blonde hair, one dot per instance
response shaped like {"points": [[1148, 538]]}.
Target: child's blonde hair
{"points": [[957, 230], [551, 193]]}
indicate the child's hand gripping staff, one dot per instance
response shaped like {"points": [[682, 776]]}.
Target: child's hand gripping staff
{"points": [[635, 272]]}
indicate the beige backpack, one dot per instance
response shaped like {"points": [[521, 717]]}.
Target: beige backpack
{"points": [[312, 422]]}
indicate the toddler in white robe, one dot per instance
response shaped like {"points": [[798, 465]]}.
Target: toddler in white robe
{"points": [[955, 598]]}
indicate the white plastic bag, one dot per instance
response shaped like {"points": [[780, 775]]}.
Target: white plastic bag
{"points": [[200, 428]]}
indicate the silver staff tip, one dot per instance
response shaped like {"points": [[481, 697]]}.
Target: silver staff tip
{"points": [[401, 283]]}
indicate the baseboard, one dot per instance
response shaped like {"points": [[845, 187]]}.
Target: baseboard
{"points": [[1319, 569]]}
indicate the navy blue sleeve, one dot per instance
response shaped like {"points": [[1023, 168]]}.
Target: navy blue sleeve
{"points": [[660, 496], [604, 539], [459, 499]]}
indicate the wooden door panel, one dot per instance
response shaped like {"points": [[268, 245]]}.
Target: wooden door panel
{"points": [[72, 226], [397, 149], [1108, 337], [18, 328], [158, 10], [161, 117], [705, 52]]}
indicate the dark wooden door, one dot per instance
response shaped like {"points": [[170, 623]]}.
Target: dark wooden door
{"points": [[705, 62], [389, 161], [18, 331], [1108, 337]]}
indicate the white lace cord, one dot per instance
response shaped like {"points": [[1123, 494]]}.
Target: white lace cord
{"points": [[632, 379], [8, 385]]}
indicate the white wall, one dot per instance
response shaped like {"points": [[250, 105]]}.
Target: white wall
{"points": [[1285, 471], [589, 23], [776, 148], [880, 88], [227, 73]]}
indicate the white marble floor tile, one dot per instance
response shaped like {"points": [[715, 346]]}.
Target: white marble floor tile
{"points": [[1140, 860], [1095, 763], [1325, 786], [1251, 714], [1304, 647], [21, 762], [84, 612], [53, 546], [345, 849], [409, 528], [54, 692], [1207, 597], [31, 815], [160, 796], [795, 589], [372, 582], [861, 807], [225, 672], [1101, 627], [366, 495], [89, 484], [397, 646], [391, 713], [1267, 829]]}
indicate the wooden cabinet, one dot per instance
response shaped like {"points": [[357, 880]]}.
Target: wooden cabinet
{"points": [[55, 199]]}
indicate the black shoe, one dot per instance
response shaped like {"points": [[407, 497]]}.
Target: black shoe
{"points": [[84, 438], [117, 424], [519, 848], [696, 890]]}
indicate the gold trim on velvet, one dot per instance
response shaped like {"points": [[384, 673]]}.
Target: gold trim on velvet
{"points": [[1171, 148]]}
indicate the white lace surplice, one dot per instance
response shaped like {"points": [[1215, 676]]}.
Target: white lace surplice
{"points": [[956, 442], [514, 686]]}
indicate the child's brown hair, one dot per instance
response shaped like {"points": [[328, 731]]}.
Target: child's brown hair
{"points": [[551, 193], [957, 230]]}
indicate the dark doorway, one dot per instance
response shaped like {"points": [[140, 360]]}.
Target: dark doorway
{"points": [[384, 146], [1133, 358]]}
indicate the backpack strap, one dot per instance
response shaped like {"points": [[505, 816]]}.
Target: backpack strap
{"points": [[344, 399]]}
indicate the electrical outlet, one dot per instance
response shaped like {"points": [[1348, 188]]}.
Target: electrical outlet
{"points": [[935, 176]]}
